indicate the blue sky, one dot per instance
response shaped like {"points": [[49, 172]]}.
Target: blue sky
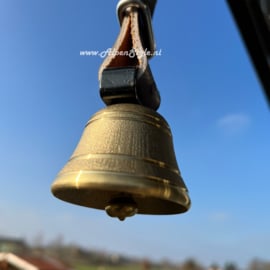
{"points": [[210, 96]]}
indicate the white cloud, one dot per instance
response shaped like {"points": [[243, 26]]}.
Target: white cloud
{"points": [[220, 216], [234, 123]]}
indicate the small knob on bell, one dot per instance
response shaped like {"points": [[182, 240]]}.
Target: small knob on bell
{"points": [[121, 208]]}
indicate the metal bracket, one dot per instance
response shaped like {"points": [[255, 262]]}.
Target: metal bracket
{"points": [[120, 85]]}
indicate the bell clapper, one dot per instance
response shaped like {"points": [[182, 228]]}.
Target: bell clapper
{"points": [[121, 208]]}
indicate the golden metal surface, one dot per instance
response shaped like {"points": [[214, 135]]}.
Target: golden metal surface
{"points": [[126, 151], [121, 208]]}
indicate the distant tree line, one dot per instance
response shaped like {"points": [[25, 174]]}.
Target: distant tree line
{"points": [[255, 264], [73, 254]]}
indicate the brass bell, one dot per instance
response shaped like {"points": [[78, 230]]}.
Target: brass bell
{"points": [[124, 164]]}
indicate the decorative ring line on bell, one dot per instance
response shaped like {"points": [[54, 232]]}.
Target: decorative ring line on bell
{"points": [[162, 126], [158, 163]]}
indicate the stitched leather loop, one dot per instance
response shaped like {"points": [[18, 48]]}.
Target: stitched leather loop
{"points": [[128, 51]]}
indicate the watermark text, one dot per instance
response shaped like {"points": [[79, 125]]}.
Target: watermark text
{"points": [[113, 52]]}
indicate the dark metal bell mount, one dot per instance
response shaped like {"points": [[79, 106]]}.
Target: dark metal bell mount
{"points": [[124, 164]]}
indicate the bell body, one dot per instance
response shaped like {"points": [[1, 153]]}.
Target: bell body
{"points": [[125, 160]]}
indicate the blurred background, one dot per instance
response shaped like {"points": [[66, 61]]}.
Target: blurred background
{"points": [[211, 98]]}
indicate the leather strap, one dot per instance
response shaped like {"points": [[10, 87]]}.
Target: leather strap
{"points": [[129, 52], [151, 4]]}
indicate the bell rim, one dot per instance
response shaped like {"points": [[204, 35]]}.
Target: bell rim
{"points": [[73, 187]]}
